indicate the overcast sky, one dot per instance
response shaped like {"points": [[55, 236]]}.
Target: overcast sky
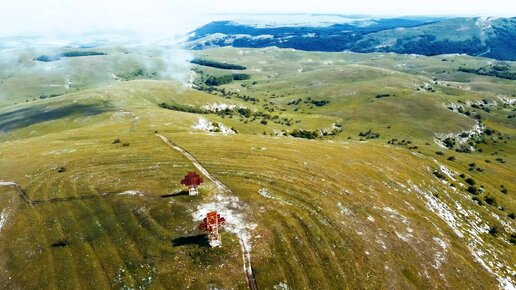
{"points": [[179, 16]]}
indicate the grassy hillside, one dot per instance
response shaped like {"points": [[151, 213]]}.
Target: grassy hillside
{"points": [[381, 197]]}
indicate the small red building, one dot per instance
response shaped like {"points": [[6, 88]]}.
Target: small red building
{"points": [[192, 180], [211, 224]]}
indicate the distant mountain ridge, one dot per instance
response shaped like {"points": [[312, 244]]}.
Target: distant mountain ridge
{"points": [[476, 36]]}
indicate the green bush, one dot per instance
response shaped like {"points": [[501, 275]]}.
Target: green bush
{"points": [[463, 149], [489, 200], [319, 103], [244, 112], [512, 239], [438, 174], [472, 189], [494, 230], [369, 134], [449, 143], [241, 77], [304, 134], [470, 181]]}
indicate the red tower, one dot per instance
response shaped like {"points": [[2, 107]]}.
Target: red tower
{"points": [[192, 180], [211, 224]]}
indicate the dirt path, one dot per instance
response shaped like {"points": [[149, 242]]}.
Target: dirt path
{"points": [[197, 165], [246, 254], [18, 189], [248, 267], [133, 125]]}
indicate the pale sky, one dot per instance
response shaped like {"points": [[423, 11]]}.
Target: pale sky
{"points": [[180, 16]]}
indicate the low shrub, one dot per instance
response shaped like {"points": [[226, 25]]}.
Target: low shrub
{"points": [[472, 189]]}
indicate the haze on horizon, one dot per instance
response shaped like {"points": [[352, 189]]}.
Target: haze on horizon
{"points": [[161, 17]]}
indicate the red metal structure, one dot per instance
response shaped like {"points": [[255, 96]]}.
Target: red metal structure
{"points": [[192, 180], [211, 224]]}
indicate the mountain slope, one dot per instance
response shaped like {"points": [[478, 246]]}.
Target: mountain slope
{"points": [[490, 37]]}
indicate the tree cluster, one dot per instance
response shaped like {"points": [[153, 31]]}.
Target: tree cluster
{"points": [[216, 64]]}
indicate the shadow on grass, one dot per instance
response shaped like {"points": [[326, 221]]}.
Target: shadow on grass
{"points": [[33, 115], [200, 240], [179, 193]]}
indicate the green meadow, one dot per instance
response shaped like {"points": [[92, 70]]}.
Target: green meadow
{"points": [[352, 171]]}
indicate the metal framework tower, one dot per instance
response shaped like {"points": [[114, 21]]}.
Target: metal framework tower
{"points": [[211, 224], [192, 180]]}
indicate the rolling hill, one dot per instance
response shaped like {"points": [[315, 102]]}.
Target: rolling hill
{"points": [[343, 170]]}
